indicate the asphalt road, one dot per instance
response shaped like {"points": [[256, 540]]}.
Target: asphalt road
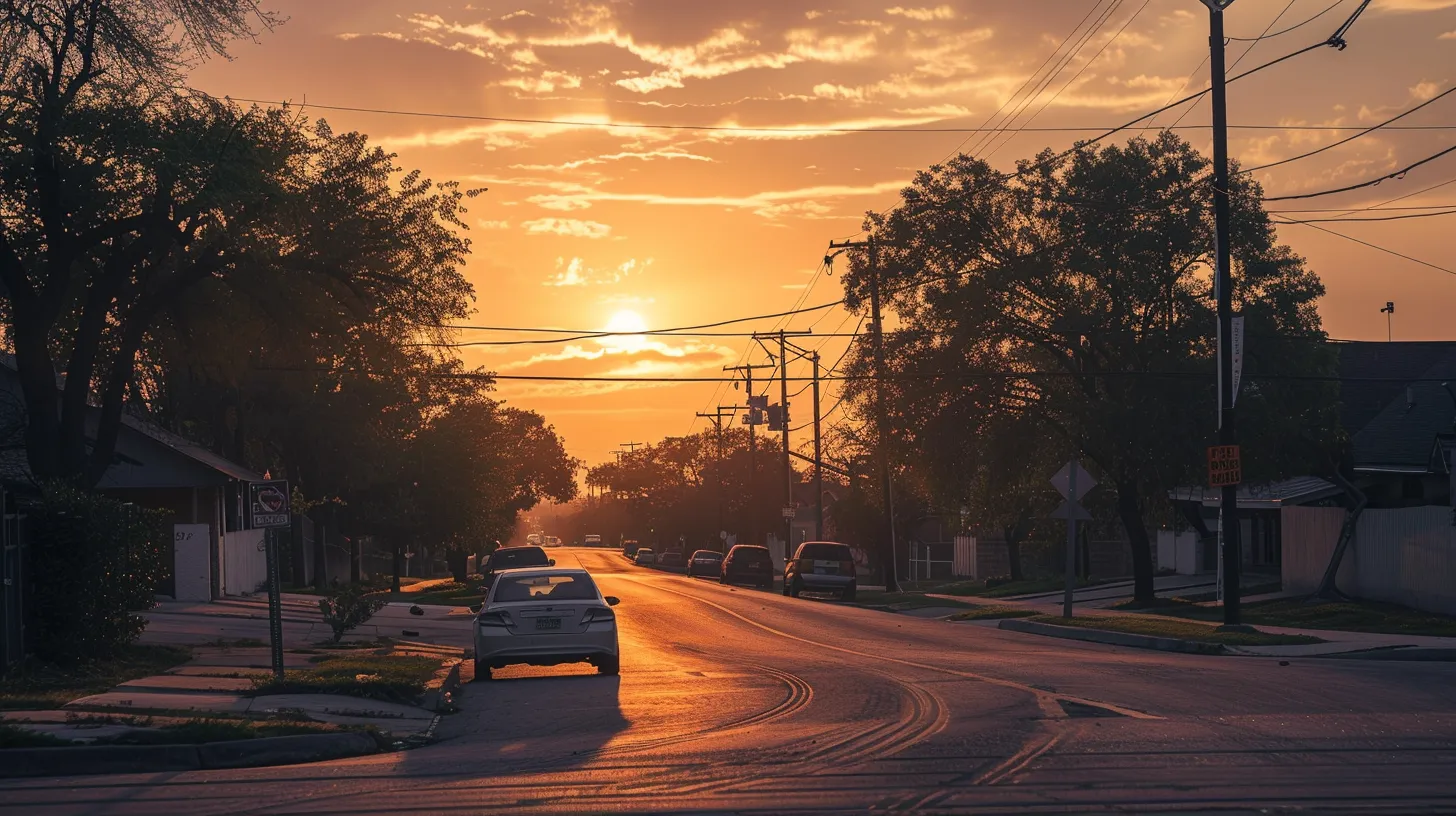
{"points": [[740, 701]]}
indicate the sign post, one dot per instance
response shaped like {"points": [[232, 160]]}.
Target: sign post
{"points": [[268, 509], [1073, 482]]}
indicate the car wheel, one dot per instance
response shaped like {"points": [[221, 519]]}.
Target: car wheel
{"points": [[482, 671], [609, 665], [786, 588], [848, 593]]}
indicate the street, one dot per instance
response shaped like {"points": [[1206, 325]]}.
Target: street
{"points": [[736, 700]]}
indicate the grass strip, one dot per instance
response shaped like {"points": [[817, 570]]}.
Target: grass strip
{"points": [[37, 685], [391, 678], [1170, 628]]}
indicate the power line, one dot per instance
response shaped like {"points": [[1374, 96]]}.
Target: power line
{"points": [[1343, 219], [1370, 183], [558, 340], [1372, 246], [1349, 139], [1247, 51], [1267, 36]]}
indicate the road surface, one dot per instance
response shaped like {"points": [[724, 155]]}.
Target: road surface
{"points": [[740, 701]]}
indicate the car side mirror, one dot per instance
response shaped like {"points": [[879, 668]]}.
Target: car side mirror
{"points": [[612, 600], [475, 610], [551, 562]]}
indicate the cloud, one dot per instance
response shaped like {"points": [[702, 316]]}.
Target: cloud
{"points": [[546, 82], [1449, 35], [569, 227], [1413, 5], [494, 225], [575, 272], [769, 204], [923, 14], [648, 155]]}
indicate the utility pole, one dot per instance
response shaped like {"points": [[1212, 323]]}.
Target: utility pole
{"points": [[752, 422], [788, 467], [717, 417], [1223, 285], [818, 459], [887, 536]]}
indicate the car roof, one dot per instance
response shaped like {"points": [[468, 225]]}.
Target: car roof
{"points": [[749, 547], [835, 543], [697, 553], [517, 548], [528, 572]]}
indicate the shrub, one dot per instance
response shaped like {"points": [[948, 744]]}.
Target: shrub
{"points": [[95, 563], [348, 607]]}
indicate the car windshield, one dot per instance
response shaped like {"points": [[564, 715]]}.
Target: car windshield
{"points": [[646, 550], [825, 552], [751, 552], [707, 556], [523, 557], [544, 588]]}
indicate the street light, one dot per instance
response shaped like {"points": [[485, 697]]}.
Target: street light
{"points": [[1223, 288]]}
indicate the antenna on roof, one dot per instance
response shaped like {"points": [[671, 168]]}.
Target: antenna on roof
{"points": [[1389, 312]]}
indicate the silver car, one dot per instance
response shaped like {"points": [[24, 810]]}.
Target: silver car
{"points": [[545, 616]]}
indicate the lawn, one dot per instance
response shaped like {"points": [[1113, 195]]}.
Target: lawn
{"points": [[452, 593], [189, 732], [1009, 589], [388, 677], [1182, 630], [1351, 616], [993, 613], [36, 685]]}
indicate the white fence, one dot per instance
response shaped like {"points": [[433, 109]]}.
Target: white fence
{"points": [[245, 564], [1405, 556], [1180, 552]]}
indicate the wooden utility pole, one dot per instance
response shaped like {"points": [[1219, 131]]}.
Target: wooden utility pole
{"points": [[818, 459], [887, 539], [751, 420], [717, 417]]}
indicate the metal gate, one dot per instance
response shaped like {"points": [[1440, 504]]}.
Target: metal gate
{"points": [[12, 583]]}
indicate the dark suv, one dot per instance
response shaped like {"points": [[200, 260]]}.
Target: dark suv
{"points": [[821, 566], [512, 558], [748, 564]]}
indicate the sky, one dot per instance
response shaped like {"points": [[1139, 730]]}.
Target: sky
{"points": [[595, 224]]}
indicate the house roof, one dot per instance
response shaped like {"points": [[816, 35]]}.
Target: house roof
{"points": [[1415, 411], [1269, 496], [192, 451]]}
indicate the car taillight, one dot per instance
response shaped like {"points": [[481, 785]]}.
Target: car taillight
{"points": [[846, 567], [494, 619], [598, 614]]}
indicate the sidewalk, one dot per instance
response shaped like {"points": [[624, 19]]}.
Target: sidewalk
{"points": [[246, 618], [216, 682]]}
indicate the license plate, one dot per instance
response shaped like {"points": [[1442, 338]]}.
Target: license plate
{"points": [[755, 565], [821, 571], [548, 623]]}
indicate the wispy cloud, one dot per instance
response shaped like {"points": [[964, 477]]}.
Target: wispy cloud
{"points": [[576, 272], [570, 227], [923, 14], [642, 155], [770, 203]]}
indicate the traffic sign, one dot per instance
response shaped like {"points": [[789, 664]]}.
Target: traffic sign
{"points": [[268, 504], [1071, 511], [1225, 466], [790, 512], [1062, 481]]}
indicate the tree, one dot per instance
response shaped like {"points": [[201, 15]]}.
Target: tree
{"points": [[119, 195], [1074, 301]]}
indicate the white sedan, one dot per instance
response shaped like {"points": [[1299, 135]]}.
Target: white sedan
{"points": [[545, 616]]}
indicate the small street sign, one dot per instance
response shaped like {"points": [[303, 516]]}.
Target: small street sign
{"points": [[1225, 467], [1062, 481], [722, 535], [790, 512], [268, 504], [1071, 511]]}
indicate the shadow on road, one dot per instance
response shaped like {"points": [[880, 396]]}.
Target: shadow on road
{"points": [[524, 720]]}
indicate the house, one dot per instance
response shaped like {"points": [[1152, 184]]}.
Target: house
{"points": [[213, 554]]}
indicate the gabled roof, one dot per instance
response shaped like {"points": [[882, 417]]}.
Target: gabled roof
{"points": [[1418, 410], [1267, 496]]}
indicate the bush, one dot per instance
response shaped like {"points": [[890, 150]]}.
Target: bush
{"points": [[95, 563], [348, 607]]}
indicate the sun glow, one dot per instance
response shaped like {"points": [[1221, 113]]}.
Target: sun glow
{"points": [[626, 320]]}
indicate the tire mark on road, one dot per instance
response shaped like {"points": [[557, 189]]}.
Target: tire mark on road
{"points": [[1048, 701]]}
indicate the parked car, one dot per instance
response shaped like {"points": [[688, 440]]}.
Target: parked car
{"points": [[629, 547], [513, 558], [644, 555], [591, 540], [821, 566], [706, 563], [748, 564], [670, 560], [546, 617]]}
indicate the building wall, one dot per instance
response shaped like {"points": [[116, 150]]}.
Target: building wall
{"points": [[1405, 556], [245, 564]]}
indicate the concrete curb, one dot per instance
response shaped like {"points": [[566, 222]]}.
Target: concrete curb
{"points": [[437, 699], [122, 759], [1421, 654], [1161, 644]]}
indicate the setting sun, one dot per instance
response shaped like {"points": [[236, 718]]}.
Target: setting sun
{"points": [[628, 323]]}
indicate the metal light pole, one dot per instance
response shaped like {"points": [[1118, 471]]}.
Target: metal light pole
{"points": [[1223, 286]]}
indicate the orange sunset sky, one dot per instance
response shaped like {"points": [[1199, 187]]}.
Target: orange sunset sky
{"points": [[590, 227]]}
